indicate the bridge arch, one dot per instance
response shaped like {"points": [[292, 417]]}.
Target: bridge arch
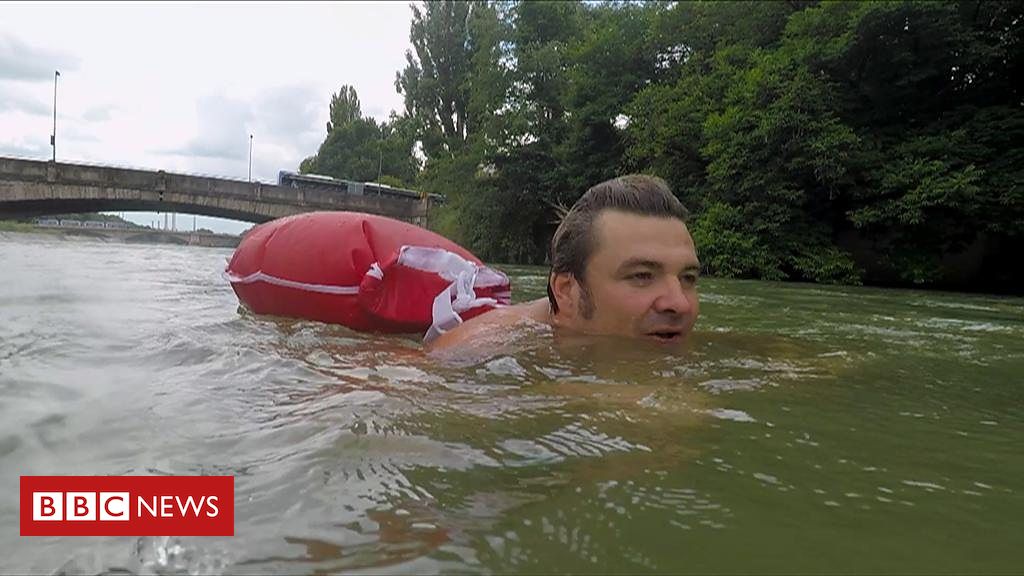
{"points": [[35, 188]]}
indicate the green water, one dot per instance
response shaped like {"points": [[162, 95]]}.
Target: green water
{"points": [[843, 429], [806, 429]]}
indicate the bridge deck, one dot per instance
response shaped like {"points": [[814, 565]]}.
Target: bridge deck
{"points": [[35, 187]]}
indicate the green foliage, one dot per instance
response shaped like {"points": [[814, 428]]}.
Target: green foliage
{"points": [[453, 81], [15, 226], [453, 177], [389, 180], [726, 248], [887, 123], [729, 245], [358, 148], [610, 60], [819, 141], [345, 109], [818, 260]]}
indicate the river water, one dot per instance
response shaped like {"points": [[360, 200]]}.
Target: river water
{"points": [[806, 429]]}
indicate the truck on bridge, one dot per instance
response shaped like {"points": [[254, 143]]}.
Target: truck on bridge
{"points": [[321, 182]]}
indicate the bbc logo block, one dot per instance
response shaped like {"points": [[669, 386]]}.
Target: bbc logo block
{"points": [[81, 506], [127, 505]]}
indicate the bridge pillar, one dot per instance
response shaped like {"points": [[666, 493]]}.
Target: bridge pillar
{"points": [[161, 183], [424, 220]]}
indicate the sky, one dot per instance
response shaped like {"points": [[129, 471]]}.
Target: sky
{"points": [[180, 86]]}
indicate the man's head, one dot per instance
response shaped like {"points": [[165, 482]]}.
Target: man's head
{"points": [[623, 263]]}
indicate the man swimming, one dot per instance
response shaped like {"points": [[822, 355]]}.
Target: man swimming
{"points": [[622, 264]]}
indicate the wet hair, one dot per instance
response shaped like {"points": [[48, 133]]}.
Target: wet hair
{"points": [[574, 241]]}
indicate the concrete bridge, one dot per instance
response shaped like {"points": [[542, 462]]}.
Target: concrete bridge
{"points": [[30, 188]]}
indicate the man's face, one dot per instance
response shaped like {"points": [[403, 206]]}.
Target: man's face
{"points": [[641, 280]]}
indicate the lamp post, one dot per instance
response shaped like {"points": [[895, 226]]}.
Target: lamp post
{"points": [[250, 157], [53, 136]]}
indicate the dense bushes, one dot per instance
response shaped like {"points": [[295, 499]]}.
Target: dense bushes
{"points": [[829, 142]]}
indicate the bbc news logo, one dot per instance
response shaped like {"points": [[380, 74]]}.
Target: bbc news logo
{"points": [[127, 506]]}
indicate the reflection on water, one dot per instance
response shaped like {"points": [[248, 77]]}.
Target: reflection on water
{"points": [[804, 428]]}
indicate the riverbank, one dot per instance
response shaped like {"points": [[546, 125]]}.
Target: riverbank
{"points": [[10, 229]]}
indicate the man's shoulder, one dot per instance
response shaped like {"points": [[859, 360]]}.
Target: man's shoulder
{"points": [[537, 311]]}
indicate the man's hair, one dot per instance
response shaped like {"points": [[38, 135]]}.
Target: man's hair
{"points": [[574, 240]]}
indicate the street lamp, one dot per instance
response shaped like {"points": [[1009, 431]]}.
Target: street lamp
{"points": [[250, 157], [53, 136]]}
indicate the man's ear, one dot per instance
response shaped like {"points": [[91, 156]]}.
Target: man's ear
{"points": [[567, 293]]}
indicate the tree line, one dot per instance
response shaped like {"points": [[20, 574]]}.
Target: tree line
{"points": [[832, 142]]}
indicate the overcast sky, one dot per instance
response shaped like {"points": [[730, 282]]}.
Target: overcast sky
{"points": [[180, 86]]}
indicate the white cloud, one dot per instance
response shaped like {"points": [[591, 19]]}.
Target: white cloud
{"points": [[180, 87], [220, 130], [98, 113], [25, 149], [78, 132], [14, 98], [21, 61]]}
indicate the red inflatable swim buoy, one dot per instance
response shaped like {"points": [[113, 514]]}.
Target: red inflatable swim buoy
{"points": [[367, 272]]}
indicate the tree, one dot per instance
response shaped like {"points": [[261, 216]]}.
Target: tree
{"points": [[820, 141], [802, 133], [613, 58], [345, 109], [928, 88], [358, 148], [452, 79], [522, 174], [750, 142]]}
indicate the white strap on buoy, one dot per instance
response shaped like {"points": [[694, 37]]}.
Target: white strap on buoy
{"points": [[459, 296]]}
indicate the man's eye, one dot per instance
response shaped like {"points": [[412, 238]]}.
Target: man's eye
{"points": [[640, 276], [690, 279]]}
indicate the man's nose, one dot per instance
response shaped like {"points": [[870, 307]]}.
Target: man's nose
{"points": [[674, 298]]}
